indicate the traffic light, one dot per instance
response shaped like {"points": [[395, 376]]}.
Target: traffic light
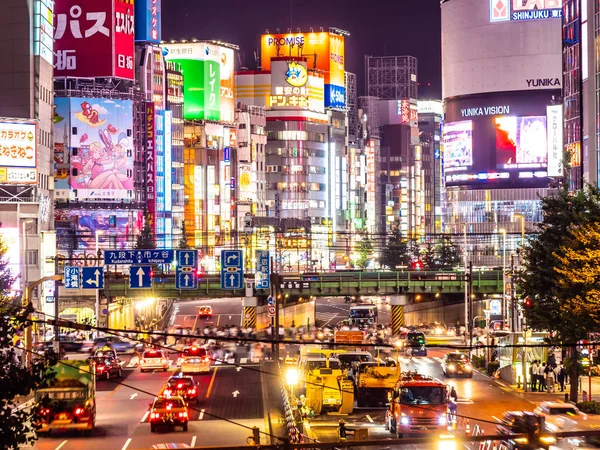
{"points": [[151, 273], [416, 265], [528, 303]]}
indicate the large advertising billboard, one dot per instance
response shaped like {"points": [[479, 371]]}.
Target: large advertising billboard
{"points": [[150, 115], [11, 239], [18, 151], [101, 139], [106, 26], [62, 127], [293, 88], [520, 141], [458, 144], [554, 120], [208, 70], [148, 21], [324, 51], [43, 33]]}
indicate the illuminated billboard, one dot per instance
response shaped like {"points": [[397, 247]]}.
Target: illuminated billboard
{"points": [[294, 88], [209, 79], [148, 21], [554, 120], [18, 151], [505, 10], [43, 32], [62, 128], [521, 142], [10, 238], [106, 26], [458, 144], [101, 141], [327, 48]]}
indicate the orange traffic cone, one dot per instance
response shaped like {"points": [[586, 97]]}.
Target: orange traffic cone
{"points": [[467, 427]]}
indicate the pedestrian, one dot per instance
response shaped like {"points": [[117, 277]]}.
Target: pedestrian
{"points": [[452, 401], [542, 376], [533, 370], [550, 380], [561, 376]]}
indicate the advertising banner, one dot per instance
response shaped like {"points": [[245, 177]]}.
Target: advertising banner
{"points": [[106, 26], [521, 141], [11, 239], [246, 182], [18, 151], [43, 32], [554, 121], [62, 119], [458, 144], [148, 21], [151, 163], [101, 144], [168, 161]]}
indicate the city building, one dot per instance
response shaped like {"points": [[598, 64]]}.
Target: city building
{"points": [[391, 77], [501, 85], [27, 177]]}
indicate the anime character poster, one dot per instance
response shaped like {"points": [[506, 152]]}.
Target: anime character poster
{"points": [[101, 148]]}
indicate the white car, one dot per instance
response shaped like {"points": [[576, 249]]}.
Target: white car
{"points": [[154, 359], [561, 416], [195, 364]]}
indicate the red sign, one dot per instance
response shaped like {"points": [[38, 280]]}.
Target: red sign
{"points": [[86, 34], [150, 164]]}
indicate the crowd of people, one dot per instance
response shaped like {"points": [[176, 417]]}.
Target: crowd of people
{"points": [[548, 376]]}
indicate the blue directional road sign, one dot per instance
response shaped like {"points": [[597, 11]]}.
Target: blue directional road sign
{"points": [[92, 277], [71, 279], [186, 258], [232, 269], [263, 269], [186, 278], [140, 277], [165, 256]]}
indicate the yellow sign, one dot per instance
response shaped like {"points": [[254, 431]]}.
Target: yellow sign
{"points": [[296, 74]]}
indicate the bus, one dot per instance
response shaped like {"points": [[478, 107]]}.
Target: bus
{"points": [[364, 315]]}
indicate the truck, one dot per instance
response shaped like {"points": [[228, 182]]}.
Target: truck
{"points": [[418, 405], [69, 403], [363, 315], [327, 388], [374, 381]]}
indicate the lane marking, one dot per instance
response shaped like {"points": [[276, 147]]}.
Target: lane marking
{"points": [[62, 444], [145, 417], [193, 443], [496, 419], [212, 381], [127, 442], [200, 417], [369, 418], [132, 396]]}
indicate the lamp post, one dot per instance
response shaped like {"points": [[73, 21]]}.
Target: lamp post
{"points": [[504, 310], [97, 234]]}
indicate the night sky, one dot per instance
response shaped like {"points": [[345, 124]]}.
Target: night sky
{"points": [[377, 27]]}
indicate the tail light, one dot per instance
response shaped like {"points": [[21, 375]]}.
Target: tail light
{"points": [[154, 415], [163, 361], [179, 386], [206, 359], [167, 392], [191, 391], [79, 411], [183, 414], [100, 368], [143, 361], [44, 411]]}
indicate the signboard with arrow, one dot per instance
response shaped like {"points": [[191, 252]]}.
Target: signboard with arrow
{"points": [[140, 277], [92, 277], [186, 278], [232, 269]]}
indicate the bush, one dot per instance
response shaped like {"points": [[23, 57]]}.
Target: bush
{"points": [[589, 407], [478, 362], [492, 367]]}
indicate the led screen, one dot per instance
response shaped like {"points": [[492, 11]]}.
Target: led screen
{"points": [[10, 238], [521, 141], [458, 144]]}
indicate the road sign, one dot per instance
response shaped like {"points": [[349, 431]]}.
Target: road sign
{"points": [[186, 278], [186, 258], [271, 310], [92, 277], [232, 269], [140, 277], [495, 307], [263, 269], [165, 256], [272, 306], [71, 279]]}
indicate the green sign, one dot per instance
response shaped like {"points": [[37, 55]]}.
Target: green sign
{"points": [[201, 89]]}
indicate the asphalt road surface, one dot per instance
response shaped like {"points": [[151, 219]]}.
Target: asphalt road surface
{"points": [[331, 310]]}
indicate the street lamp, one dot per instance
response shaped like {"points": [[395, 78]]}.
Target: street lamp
{"points": [[503, 232], [97, 234], [292, 377]]}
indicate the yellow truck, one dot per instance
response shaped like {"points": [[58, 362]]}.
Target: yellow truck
{"points": [[374, 380]]}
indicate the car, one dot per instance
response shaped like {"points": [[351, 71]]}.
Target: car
{"points": [[106, 351], [113, 342], [195, 364], [106, 367], [192, 350], [560, 415], [523, 422], [153, 359], [168, 411], [455, 364], [205, 311], [415, 344], [184, 387]]}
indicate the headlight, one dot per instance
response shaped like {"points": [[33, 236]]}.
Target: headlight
{"points": [[522, 440], [404, 420], [451, 367], [468, 367], [442, 420], [547, 439]]}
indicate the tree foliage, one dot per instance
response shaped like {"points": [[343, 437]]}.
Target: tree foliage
{"points": [[146, 239], [16, 381], [396, 251], [365, 252], [547, 279], [442, 255], [183, 243]]}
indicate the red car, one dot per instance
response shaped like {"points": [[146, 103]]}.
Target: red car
{"points": [[184, 387], [106, 367]]}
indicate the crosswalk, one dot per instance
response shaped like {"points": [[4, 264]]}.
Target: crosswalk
{"points": [[323, 318], [420, 359]]}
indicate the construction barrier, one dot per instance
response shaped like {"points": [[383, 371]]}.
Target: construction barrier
{"points": [[397, 318], [293, 432], [249, 315]]}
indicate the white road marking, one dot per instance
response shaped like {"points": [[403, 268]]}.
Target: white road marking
{"points": [[243, 360], [132, 396], [62, 444], [193, 443], [496, 419], [369, 418], [127, 442], [201, 415], [145, 417]]}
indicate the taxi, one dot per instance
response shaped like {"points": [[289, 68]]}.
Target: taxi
{"points": [[205, 311], [181, 386], [195, 364], [168, 411], [154, 359], [192, 350]]}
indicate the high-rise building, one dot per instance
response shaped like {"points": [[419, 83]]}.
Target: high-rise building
{"points": [[26, 176], [391, 77], [501, 78]]}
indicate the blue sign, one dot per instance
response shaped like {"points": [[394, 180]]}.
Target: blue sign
{"points": [[232, 269], [186, 258], [92, 277], [139, 256], [186, 278], [263, 269], [147, 21], [140, 277], [71, 279], [335, 96], [226, 154]]}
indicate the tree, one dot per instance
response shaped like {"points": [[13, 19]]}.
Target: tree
{"points": [[553, 297], [429, 257], [395, 253], [16, 380], [183, 245], [365, 252], [449, 254], [145, 239]]}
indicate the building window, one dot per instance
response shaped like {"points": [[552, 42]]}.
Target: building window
{"points": [[32, 257]]}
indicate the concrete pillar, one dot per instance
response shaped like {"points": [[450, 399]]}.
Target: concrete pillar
{"points": [[397, 303], [249, 312]]}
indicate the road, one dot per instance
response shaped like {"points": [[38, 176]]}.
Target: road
{"points": [[331, 310], [122, 405]]}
